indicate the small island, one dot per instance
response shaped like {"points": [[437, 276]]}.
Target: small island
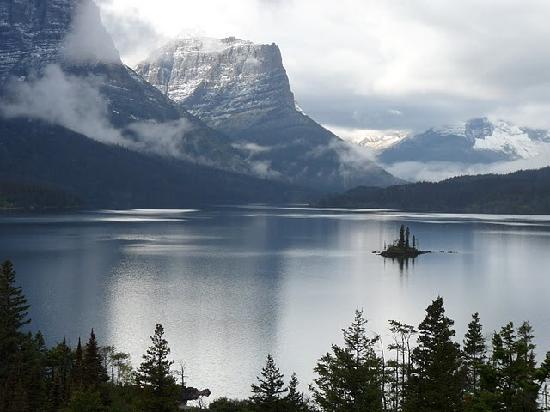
{"points": [[402, 248]]}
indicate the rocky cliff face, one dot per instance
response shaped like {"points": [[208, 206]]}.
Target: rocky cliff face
{"points": [[229, 83], [242, 89]]}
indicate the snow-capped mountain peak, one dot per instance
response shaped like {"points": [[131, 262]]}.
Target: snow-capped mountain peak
{"points": [[479, 140]]}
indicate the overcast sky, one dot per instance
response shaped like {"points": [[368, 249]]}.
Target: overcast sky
{"points": [[375, 64]]}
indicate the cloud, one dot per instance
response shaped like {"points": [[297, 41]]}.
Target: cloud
{"points": [[251, 147], [436, 171], [72, 102], [435, 62], [161, 138], [88, 41], [77, 104]]}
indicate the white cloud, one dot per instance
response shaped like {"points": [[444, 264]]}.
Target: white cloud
{"points": [[77, 104], [88, 41], [432, 61], [72, 102]]}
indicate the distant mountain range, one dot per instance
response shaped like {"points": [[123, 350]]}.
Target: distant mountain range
{"points": [[523, 192], [474, 141], [230, 133]]}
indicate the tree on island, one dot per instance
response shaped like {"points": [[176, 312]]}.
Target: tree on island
{"points": [[401, 248]]}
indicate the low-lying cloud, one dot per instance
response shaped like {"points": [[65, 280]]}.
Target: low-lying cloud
{"points": [[76, 103], [436, 171], [57, 98]]}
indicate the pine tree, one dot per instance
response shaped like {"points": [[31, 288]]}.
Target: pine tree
{"points": [[407, 237], [436, 384], [153, 376], [402, 236], [267, 394], [516, 375], [13, 316], [294, 400], [93, 372], [475, 355], [16, 347], [77, 375], [350, 378]]}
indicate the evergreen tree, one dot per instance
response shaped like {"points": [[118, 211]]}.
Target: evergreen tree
{"points": [[93, 372], [436, 384], [402, 236], [516, 385], [267, 394], [294, 400], [13, 316], [407, 237], [153, 376], [350, 378], [17, 349], [474, 354], [77, 375]]}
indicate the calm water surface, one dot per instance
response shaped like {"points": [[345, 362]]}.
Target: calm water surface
{"points": [[233, 284]]}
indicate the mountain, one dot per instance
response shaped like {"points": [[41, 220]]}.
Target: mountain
{"points": [[75, 120], [523, 192], [56, 54], [375, 140], [35, 154], [474, 141], [242, 90]]}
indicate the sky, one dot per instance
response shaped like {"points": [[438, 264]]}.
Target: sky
{"points": [[374, 64]]}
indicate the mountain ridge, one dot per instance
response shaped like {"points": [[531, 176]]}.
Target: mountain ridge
{"points": [[242, 90]]}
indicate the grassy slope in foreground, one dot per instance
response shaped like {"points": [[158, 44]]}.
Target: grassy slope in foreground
{"points": [[523, 192]]}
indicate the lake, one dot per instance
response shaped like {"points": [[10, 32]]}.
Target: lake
{"points": [[231, 284]]}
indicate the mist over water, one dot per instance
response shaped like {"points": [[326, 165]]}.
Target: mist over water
{"points": [[232, 284]]}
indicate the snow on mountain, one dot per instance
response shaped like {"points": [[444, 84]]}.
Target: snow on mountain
{"points": [[229, 83], [241, 89], [377, 140], [474, 141]]}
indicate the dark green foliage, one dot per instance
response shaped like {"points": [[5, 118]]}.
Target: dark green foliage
{"points": [[154, 378], [294, 400], [13, 314], [93, 371], [512, 380], [267, 393], [349, 378], [523, 192], [31, 196], [474, 354], [17, 350], [86, 401], [436, 381], [230, 405]]}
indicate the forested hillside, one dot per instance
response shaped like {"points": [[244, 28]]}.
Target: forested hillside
{"points": [[523, 192]]}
